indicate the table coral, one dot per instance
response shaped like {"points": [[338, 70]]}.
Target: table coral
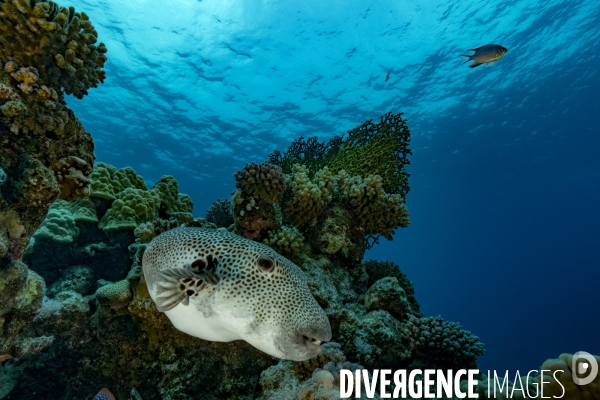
{"points": [[58, 41]]}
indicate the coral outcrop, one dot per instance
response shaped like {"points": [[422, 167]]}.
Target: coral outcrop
{"points": [[58, 41], [46, 51], [98, 327], [441, 343], [220, 213]]}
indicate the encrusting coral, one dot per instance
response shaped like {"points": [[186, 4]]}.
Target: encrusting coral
{"points": [[115, 295]]}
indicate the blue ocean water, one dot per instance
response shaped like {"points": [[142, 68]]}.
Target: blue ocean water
{"points": [[505, 173]]}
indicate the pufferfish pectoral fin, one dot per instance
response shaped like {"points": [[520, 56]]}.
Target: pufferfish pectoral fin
{"points": [[176, 285]]}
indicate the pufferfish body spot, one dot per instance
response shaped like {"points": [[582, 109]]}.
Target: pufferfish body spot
{"points": [[218, 286]]}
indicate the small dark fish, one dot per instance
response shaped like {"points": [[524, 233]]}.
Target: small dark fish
{"points": [[488, 54], [387, 78]]}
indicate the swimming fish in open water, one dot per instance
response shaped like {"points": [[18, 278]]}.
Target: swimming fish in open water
{"points": [[490, 53], [221, 287]]}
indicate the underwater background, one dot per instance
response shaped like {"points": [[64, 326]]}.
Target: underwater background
{"points": [[505, 185], [503, 204]]}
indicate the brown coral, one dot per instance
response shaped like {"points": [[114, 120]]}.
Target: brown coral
{"points": [[58, 41]]}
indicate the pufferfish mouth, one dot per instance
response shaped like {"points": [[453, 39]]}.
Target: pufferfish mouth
{"points": [[312, 340]]}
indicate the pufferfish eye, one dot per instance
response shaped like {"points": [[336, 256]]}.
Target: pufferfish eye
{"points": [[266, 264]]}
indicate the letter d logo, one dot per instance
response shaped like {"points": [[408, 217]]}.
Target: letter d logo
{"points": [[588, 365]]}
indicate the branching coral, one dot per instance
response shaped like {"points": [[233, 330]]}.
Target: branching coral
{"points": [[305, 198], [29, 97], [259, 186], [287, 240], [443, 343], [220, 213], [311, 153], [377, 149], [264, 181], [375, 211], [58, 41]]}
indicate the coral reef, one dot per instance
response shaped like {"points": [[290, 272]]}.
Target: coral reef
{"points": [[263, 181], [21, 294], [128, 202], [259, 186], [58, 41], [442, 343], [369, 149], [311, 153], [387, 294], [318, 378], [108, 181], [377, 270], [287, 241], [220, 213], [307, 198], [378, 149], [45, 152]]}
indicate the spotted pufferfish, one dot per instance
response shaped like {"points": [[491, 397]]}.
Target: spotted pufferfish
{"points": [[221, 287]]}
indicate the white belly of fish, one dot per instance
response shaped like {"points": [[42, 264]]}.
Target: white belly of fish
{"points": [[188, 319]]}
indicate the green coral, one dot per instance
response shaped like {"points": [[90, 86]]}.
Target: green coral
{"points": [[59, 226], [287, 240], [58, 41], [378, 149], [375, 211], [311, 153], [305, 198], [131, 208], [108, 181], [170, 199], [82, 210], [60, 223], [371, 148]]}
